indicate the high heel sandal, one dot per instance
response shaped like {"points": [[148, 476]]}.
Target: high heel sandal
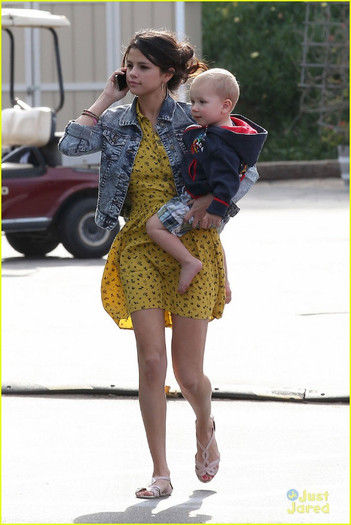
{"points": [[206, 471], [155, 489]]}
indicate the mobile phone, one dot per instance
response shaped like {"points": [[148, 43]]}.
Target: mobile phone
{"points": [[121, 82]]}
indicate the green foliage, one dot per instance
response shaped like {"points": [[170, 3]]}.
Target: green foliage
{"points": [[261, 43]]}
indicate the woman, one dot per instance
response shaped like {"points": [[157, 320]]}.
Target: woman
{"points": [[141, 150]]}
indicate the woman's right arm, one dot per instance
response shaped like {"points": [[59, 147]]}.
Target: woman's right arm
{"points": [[109, 95], [83, 135]]}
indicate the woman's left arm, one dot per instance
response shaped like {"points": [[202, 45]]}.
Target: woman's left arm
{"points": [[198, 210]]}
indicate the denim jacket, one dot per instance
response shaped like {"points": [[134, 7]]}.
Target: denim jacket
{"points": [[118, 135]]}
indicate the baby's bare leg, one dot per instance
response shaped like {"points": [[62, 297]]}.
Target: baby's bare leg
{"points": [[190, 266]]}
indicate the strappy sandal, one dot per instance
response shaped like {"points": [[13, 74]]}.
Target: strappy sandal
{"points": [[154, 489], [206, 471]]}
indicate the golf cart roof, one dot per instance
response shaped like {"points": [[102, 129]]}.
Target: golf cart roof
{"points": [[31, 18]]}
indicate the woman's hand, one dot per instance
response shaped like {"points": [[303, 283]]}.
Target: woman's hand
{"points": [[110, 94], [198, 210], [210, 220], [111, 90]]}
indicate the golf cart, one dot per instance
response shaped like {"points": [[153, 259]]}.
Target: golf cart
{"points": [[47, 199]]}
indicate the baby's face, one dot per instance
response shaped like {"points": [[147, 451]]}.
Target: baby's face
{"points": [[206, 105]]}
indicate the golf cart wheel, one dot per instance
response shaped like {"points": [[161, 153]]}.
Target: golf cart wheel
{"points": [[79, 233], [32, 244]]}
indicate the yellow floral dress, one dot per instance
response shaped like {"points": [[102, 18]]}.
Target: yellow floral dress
{"points": [[138, 273]]}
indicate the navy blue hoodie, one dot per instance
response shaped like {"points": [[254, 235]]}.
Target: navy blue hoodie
{"points": [[217, 158]]}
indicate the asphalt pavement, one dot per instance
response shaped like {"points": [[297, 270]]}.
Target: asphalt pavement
{"points": [[74, 458]]}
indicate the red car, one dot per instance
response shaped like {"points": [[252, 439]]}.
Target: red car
{"points": [[46, 198]]}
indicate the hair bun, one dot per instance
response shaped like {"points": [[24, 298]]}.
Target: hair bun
{"points": [[186, 52]]}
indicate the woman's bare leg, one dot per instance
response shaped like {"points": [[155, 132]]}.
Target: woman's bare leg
{"points": [[152, 361], [188, 346]]}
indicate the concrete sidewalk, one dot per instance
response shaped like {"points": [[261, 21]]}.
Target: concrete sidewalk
{"points": [[286, 329], [80, 459], [77, 459]]}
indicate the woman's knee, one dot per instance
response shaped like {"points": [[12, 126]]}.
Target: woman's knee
{"points": [[152, 365], [189, 383], [151, 345]]}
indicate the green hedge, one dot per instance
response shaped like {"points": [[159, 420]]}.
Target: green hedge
{"points": [[261, 43]]}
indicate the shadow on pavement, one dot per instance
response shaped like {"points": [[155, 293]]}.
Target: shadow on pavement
{"points": [[143, 512]]}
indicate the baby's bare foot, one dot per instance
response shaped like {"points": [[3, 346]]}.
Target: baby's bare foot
{"points": [[187, 274]]}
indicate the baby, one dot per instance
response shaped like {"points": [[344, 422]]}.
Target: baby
{"points": [[220, 148]]}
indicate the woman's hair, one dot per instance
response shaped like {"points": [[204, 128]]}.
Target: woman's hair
{"points": [[163, 49]]}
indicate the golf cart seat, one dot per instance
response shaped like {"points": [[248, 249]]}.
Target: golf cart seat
{"points": [[27, 127], [27, 133]]}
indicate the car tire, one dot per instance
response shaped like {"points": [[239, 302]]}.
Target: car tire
{"points": [[32, 244], [79, 233]]}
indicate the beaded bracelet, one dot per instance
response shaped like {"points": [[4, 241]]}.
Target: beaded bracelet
{"points": [[88, 113]]}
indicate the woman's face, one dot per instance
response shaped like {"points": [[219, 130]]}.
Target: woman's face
{"points": [[143, 77]]}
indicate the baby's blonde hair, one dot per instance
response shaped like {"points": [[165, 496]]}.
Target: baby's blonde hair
{"points": [[226, 85]]}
